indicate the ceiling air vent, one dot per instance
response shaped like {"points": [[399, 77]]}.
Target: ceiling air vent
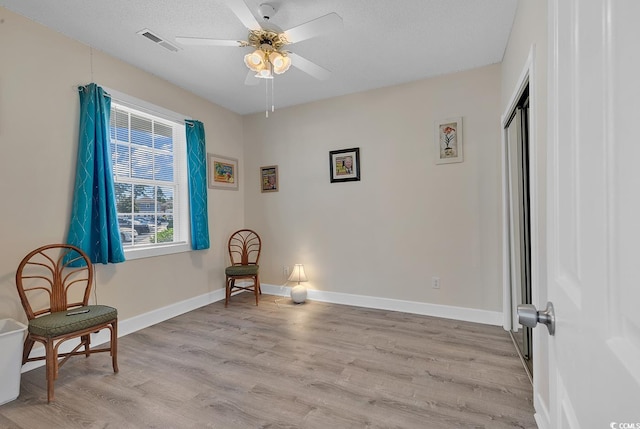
{"points": [[157, 39]]}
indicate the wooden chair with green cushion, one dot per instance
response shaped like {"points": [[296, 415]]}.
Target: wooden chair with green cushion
{"points": [[54, 283], [244, 253]]}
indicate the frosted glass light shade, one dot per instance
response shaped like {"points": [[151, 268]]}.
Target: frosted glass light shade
{"points": [[276, 59], [280, 62], [255, 60], [264, 74], [281, 65]]}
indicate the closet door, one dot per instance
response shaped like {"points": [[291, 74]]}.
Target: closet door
{"points": [[519, 230]]}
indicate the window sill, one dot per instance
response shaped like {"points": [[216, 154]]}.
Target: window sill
{"points": [[149, 252]]}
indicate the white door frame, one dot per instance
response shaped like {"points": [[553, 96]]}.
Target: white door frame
{"points": [[527, 76]]}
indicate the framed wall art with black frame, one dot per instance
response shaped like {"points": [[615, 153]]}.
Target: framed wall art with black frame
{"points": [[344, 165], [269, 178]]}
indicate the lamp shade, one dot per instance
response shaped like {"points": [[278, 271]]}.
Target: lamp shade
{"points": [[280, 62], [265, 74], [298, 275], [275, 58], [255, 60]]}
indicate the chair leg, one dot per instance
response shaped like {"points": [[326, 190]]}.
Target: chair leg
{"points": [[26, 351], [258, 282], [50, 360], [256, 288], [114, 345], [227, 292], [86, 340]]}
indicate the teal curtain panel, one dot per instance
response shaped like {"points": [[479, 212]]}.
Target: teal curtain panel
{"points": [[197, 171], [94, 221]]}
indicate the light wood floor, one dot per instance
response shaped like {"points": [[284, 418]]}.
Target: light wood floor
{"points": [[281, 365]]}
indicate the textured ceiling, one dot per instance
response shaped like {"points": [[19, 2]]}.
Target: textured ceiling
{"points": [[382, 42]]}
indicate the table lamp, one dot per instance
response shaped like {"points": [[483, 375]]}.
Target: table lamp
{"points": [[298, 292]]}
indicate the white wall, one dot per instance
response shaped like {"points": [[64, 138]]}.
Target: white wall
{"points": [[530, 32], [385, 236], [39, 72], [408, 219]]}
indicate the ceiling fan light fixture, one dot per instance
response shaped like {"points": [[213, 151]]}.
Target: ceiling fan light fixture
{"points": [[255, 60], [265, 74], [275, 58], [281, 64], [257, 57]]}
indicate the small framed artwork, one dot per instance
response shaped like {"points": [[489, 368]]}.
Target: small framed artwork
{"points": [[223, 172], [344, 165], [448, 139], [269, 178]]}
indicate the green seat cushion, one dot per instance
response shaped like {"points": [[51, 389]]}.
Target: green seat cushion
{"points": [[242, 270], [58, 323]]}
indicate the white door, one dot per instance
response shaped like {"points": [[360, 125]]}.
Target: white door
{"points": [[593, 218]]}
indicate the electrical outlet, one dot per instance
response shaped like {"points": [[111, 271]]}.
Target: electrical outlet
{"points": [[435, 282], [285, 271]]}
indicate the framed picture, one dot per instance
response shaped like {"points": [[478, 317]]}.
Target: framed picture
{"points": [[223, 172], [344, 165], [269, 178], [448, 140]]}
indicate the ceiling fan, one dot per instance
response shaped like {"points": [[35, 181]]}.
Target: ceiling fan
{"points": [[268, 42]]}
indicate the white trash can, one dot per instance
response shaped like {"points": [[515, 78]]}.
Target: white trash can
{"points": [[11, 343]]}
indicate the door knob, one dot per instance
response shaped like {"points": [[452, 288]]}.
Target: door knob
{"points": [[529, 316]]}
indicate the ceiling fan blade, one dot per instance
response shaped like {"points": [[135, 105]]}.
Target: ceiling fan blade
{"points": [[309, 67], [201, 41], [239, 7], [324, 24], [251, 79]]}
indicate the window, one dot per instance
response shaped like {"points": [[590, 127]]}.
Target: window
{"points": [[148, 154]]}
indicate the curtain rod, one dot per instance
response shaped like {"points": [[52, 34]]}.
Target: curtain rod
{"points": [[82, 87], [143, 108]]}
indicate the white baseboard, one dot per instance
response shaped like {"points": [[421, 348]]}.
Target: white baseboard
{"points": [[423, 308], [135, 323], [153, 317]]}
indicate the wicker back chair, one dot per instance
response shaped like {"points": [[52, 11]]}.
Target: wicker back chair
{"points": [[244, 252], [54, 283]]}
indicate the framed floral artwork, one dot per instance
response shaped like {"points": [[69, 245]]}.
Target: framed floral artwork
{"points": [[269, 178], [448, 139], [344, 165], [223, 172]]}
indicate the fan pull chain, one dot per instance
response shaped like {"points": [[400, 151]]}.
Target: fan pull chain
{"points": [[266, 99]]}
